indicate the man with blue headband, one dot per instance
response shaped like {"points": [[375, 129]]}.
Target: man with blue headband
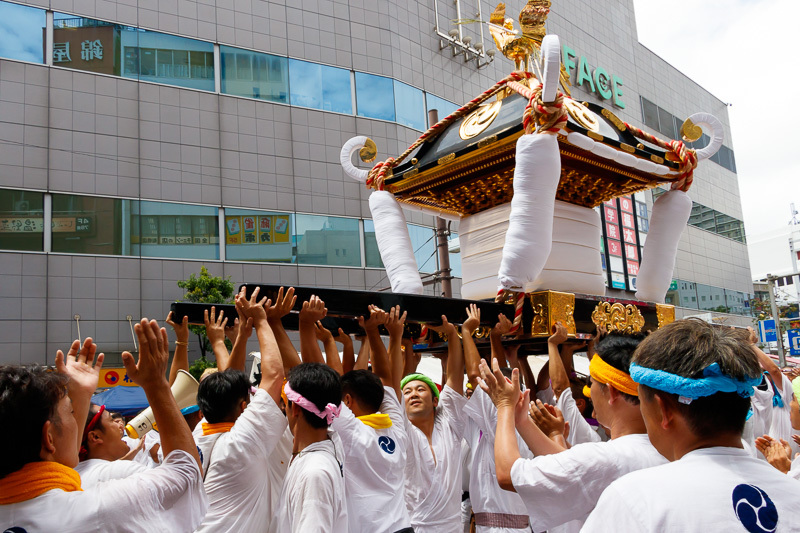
{"points": [[695, 382]]}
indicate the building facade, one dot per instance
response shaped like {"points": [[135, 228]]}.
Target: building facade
{"points": [[142, 140]]}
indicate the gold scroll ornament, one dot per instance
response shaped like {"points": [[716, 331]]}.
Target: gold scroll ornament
{"points": [[479, 120], [550, 307], [618, 317]]}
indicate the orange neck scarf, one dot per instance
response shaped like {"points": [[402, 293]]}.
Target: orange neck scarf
{"points": [[602, 372], [219, 427], [34, 479]]}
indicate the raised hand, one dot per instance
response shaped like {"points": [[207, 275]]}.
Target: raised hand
{"points": [[395, 322], [473, 320], [322, 333], [559, 335], [504, 393], [215, 326], [149, 371], [181, 329], [503, 325], [445, 327], [521, 413], [80, 366], [549, 418], [254, 308], [777, 453], [343, 338], [313, 310], [283, 304], [377, 317]]}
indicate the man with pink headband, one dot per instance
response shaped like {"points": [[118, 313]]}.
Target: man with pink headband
{"points": [[313, 496]]}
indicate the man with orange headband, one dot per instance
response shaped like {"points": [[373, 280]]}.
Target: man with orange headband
{"points": [[561, 487], [240, 441], [40, 490], [695, 384], [102, 450]]}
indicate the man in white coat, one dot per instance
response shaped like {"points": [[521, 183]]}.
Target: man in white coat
{"points": [[39, 488], [695, 382]]}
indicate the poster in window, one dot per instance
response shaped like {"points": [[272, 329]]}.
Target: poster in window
{"points": [[200, 230], [22, 225], [183, 229], [265, 229], [633, 267], [281, 228], [629, 236], [614, 248], [626, 204], [166, 229], [149, 229], [233, 230], [249, 227], [617, 280], [627, 220], [612, 231], [610, 214], [631, 252]]}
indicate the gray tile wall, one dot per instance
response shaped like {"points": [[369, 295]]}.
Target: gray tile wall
{"points": [[70, 131]]}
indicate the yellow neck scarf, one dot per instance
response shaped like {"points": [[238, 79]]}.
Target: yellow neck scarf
{"points": [[602, 372], [376, 420], [34, 479], [219, 427]]}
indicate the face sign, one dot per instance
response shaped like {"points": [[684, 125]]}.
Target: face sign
{"points": [[419, 399], [63, 434]]}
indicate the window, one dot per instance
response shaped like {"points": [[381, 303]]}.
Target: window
{"points": [[374, 96], [423, 242], [320, 87], [21, 220], [443, 107], [409, 105], [161, 229], [373, 255], [162, 58], [712, 220], [22, 32], [258, 236], [454, 247], [650, 114], [254, 75], [91, 225], [322, 240]]}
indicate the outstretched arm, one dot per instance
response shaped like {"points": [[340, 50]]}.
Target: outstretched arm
{"points": [[362, 362], [348, 355], [471, 355], [84, 373], [558, 374], [283, 306], [150, 374], [180, 358], [239, 335], [455, 356], [505, 395], [215, 331], [271, 364], [502, 327], [313, 310], [331, 351], [395, 323], [380, 359]]}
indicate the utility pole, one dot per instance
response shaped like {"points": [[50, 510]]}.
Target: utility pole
{"points": [[441, 236], [774, 308]]}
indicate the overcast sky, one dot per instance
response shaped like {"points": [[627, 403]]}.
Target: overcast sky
{"points": [[745, 52]]}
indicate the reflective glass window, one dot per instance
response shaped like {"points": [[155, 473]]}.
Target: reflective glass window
{"points": [[650, 114], [454, 247], [258, 236], [711, 298], [443, 106], [374, 96], [423, 241], [320, 87], [373, 255], [729, 227], [322, 240], [21, 220], [666, 123], [91, 225], [254, 75], [162, 229], [22, 32], [409, 104]]}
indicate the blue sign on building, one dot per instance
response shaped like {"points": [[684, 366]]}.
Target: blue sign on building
{"points": [[794, 341], [767, 331]]}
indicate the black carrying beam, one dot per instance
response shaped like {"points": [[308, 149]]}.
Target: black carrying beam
{"points": [[421, 309]]}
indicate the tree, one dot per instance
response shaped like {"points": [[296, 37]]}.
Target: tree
{"points": [[206, 289]]}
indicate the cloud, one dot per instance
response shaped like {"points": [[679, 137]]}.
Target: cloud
{"points": [[743, 52]]}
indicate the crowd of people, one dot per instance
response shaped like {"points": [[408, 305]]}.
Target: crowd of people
{"points": [[689, 428]]}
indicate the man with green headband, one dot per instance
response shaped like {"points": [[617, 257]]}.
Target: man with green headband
{"points": [[435, 426], [695, 382]]}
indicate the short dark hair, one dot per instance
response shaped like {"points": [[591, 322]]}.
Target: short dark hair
{"points": [[28, 398], [220, 393], [319, 384], [116, 416], [617, 350], [365, 387], [686, 348], [576, 385]]}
